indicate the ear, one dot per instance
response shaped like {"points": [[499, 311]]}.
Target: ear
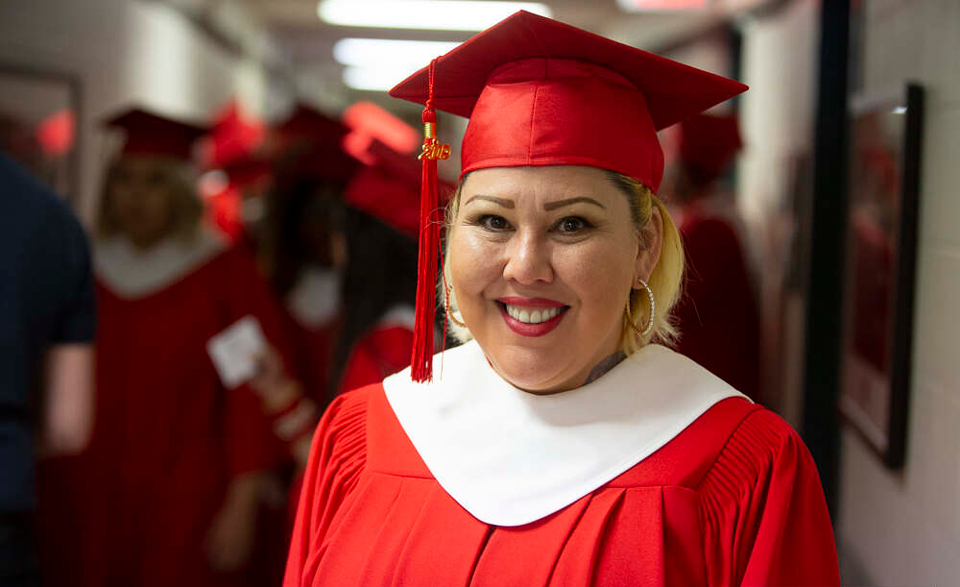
{"points": [[648, 253]]}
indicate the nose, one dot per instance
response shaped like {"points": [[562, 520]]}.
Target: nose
{"points": [[528, 259]]}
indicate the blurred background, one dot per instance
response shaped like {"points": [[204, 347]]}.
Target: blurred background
{"points": [[817, 70]]}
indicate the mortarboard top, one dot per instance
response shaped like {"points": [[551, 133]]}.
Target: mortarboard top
{"points": [[152, 134], [541, 92], [708, 143]]}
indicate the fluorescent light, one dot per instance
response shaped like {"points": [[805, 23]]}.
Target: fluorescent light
{"points": [[448, 15], [374, 78], [409, 55], [900, 110], [660, 5]]}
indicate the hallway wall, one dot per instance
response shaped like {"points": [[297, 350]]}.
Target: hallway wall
{"points": [[124, 52], [904, 529]]}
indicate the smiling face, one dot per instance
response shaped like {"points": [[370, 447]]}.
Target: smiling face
{"points": [[542, 260]]}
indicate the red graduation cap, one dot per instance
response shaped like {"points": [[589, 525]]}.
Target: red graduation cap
{"points": [[708, 143], [315, 141], [540, 92], [234, 138], [152, 134], [388, 188]]}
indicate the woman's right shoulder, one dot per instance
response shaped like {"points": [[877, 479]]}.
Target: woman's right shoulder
{"points": [[340, 436]]}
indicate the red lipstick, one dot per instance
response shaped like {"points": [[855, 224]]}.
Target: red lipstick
{"points": [[524, 329]]}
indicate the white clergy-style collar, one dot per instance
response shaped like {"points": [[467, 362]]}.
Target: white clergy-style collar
{"points": [[510, 457], [133, 273], [314, 299]]}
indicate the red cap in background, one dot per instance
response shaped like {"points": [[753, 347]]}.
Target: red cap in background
{"points": [[368, 122], [234, 138], [315, 142], [389, 188], [148, 133], [708, 143]]}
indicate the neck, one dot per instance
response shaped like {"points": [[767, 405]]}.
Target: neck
{"points": [[609, 362]]}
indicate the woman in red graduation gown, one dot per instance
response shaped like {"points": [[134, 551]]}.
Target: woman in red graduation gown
{"points": [[564, 444], [718, 317], [173, 474]]}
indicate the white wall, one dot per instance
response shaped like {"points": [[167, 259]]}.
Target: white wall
{"points": [[904, 529], [779, 63], [124, 52]]}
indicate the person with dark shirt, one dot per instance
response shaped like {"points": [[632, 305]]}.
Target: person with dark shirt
{"points": [[47, 324]]}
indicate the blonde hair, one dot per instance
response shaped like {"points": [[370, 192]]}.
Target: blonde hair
{"points": [[187, 209], [665, 279]]}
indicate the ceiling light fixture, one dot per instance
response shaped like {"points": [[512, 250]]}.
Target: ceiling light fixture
{"points": [[388, 52], [375, 79], [448, 15]]}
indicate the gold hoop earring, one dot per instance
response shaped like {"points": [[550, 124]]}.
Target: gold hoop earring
{"points": [[446, 305], [653, 310]]}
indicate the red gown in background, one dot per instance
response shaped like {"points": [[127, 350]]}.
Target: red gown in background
{"points": [[734, 499], [168, 436], [383, 351], [717, 316], [313, 321]]}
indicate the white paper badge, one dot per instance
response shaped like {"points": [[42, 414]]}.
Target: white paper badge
{"points": [[234, 351]]}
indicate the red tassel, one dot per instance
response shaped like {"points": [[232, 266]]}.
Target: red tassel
{"points": [[421, 361]]}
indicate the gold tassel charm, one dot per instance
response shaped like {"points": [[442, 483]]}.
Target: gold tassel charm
{"points": [[432, 147]]}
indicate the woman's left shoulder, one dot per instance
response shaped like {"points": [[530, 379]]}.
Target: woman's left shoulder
{"points": [[761, 444]]}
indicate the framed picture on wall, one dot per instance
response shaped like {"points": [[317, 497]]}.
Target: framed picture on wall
{"points": [[884, 180], [38, 125]]}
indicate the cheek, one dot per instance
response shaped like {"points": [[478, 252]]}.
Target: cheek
{"points": [[474, 263], [599, 273], [157, 204]]}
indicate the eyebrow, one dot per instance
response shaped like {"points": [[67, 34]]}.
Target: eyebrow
{"points": [[561, 203], [501, 201]]}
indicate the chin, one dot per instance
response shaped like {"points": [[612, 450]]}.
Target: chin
{"points": [[533, 370]]}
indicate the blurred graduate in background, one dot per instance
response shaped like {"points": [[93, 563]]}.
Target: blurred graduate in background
{"points": [[171, 484], [717, 316], [304, 249]]}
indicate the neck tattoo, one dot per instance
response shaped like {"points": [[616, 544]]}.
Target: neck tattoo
{"points": [[605, 365]]}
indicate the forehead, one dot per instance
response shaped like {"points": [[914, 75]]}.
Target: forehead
{"points": [[546, 183]]}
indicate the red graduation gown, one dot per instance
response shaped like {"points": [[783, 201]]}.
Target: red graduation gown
{"points": [[734, 499], [312, 348], [168, 437], [717, 316], [383, 351]]}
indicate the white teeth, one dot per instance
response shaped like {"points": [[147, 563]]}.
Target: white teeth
{"points": [[530, 316]]}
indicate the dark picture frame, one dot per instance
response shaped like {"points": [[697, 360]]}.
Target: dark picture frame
{"points": [[40, 114], [886, 132]]}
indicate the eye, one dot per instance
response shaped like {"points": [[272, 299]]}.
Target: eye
{"points": [[572, 224], [493, 222]]}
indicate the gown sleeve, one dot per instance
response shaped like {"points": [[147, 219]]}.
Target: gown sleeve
{"points": [[337, 455], [764, 517]]}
